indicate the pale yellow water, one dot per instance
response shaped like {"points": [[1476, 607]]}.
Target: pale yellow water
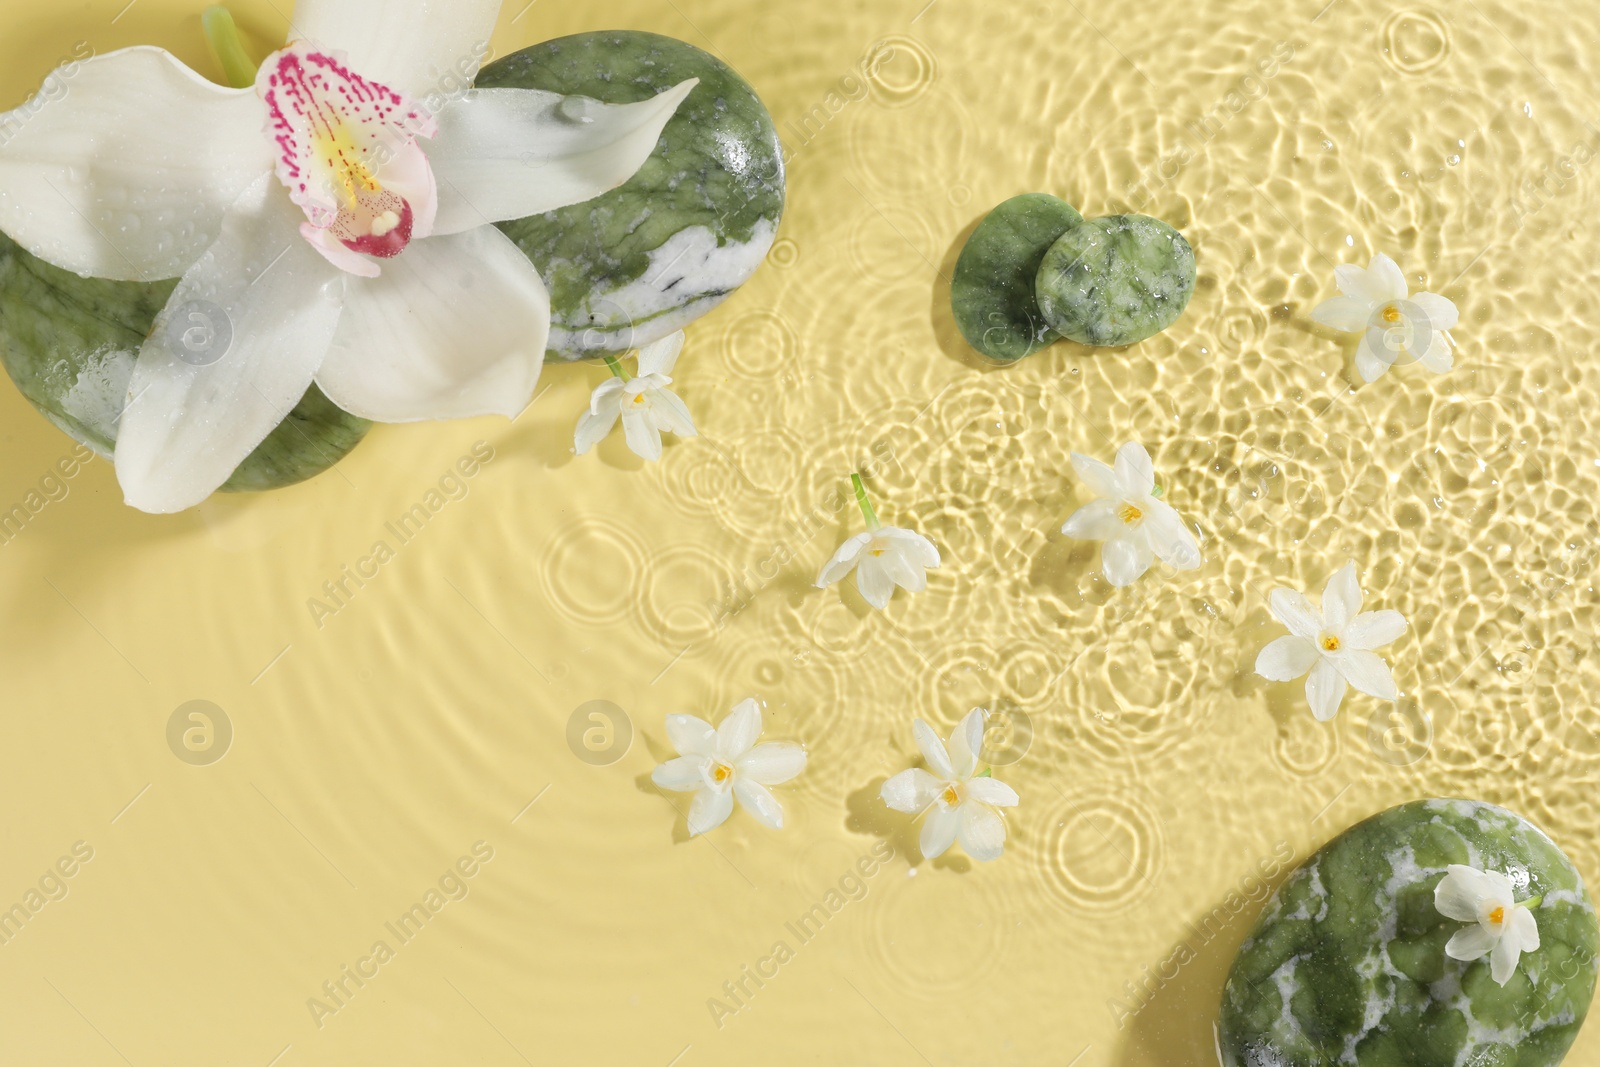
{"points": [[375, 745]]}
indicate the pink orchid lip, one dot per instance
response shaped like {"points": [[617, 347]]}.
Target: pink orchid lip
{"points": [[348, 155]]}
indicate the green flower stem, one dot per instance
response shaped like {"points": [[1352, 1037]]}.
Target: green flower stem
{"points": [[222, 34], [1531, 902], [615, 367], [866, 505]]}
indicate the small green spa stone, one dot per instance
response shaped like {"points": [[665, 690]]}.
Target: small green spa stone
{"points": [[643, 260], [70, 343], [1347, 963], [992, 292], [1115, 280]]}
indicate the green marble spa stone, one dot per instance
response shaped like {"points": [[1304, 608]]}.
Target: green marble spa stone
{"points": [[1115, 280], [992, 292], [1347, 963], [640, 262], [70, 343]]}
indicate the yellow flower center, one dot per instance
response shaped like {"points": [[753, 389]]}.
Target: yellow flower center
{"points": [[1130, 514], [638, 400], [336, 150], [1391, 314], [1497, 916], [1330, 643], [951, 795], [721, 773]]}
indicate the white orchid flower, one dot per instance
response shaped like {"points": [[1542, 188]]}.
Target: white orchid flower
{"points": [[1335, 645], [643, 402], [338, 226], [719, 765], [1503, 929], [960, 806], [882, 557], [1136, 525], [1395, 327]]}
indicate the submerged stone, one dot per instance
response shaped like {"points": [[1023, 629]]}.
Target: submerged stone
{"points": [[1115, 280], [643, 260], [69, 343], [1347, 963], [992, 292]]}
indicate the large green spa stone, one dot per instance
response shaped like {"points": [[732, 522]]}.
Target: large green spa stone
{"points": [[70, 343], [1115, 280], [992, 292], [1347, 964], [642, 261]]}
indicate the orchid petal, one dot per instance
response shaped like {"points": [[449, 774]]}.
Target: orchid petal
{"points": [[426, 48], [601, 418], [1101, 479], [739, 730], [1136, 474], [1459, 891], [990, 791], [336, 129], [1343, 313], [1325, 688], [1341, 598], [933, 750], [1095, 521], [1367, 672], [1470, 943], [1374, 629], [691, 735], [1440, 311], [1437, 355], [843, 561], [709, 809], [641, 432], [916, 547], [939, 831], [187, 427], [680, 775], [454, 327], [1373, 359], [872, 579], [671, 413], [759, 801], [982, 832], [1503, 959], [911, 791], [1125, 559], [966, 741], [1385, 279], [902, 570], [510, 153], [1523, 928], [1286, 658], [772, 763], [659, 357], [130, 173], [1295, 611], [1169, 537]]}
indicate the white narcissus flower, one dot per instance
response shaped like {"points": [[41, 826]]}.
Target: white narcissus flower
{"points": [[1502, 928], [1136, 526], [960, 806], [644, 403], [1335, 644], [341, 227], [882, 557], [1395, 327], [719, 765]]}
